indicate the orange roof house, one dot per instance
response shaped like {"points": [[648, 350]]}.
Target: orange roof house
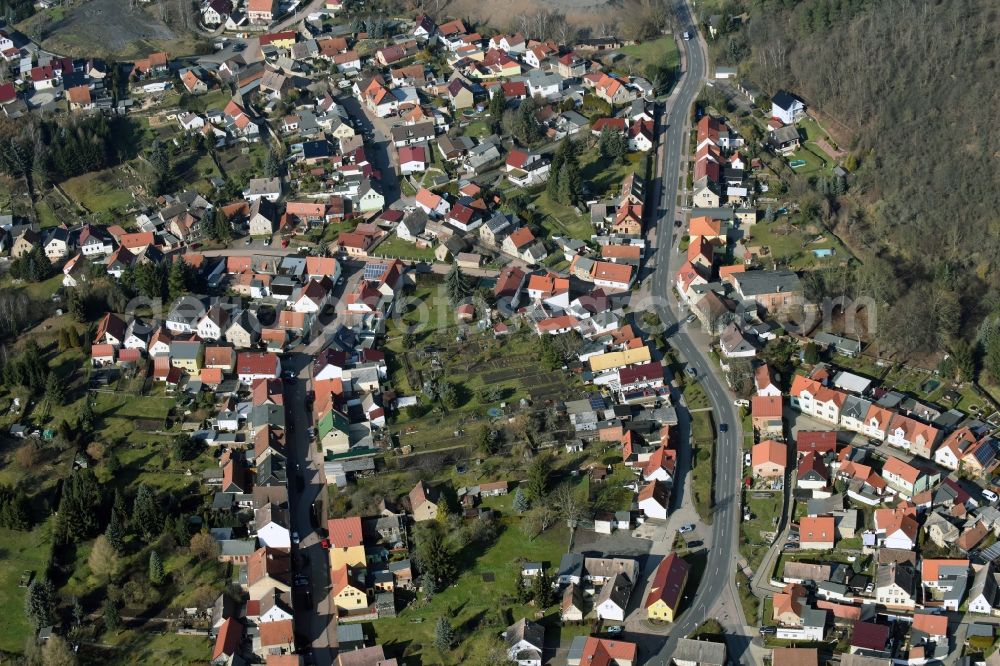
{"points": [[817, 532], [705, 226], [769, 459]]}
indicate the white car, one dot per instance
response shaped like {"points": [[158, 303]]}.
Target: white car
{"points": [[990, 495], [687, 35], [684, 529], [746, 460]]}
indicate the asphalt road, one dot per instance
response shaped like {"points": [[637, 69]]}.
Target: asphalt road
{"points": [[721, 559], [314, 624]]}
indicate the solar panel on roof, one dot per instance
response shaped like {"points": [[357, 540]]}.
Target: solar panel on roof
{"points": [[374, 271], [596, 402], [991, 554]]}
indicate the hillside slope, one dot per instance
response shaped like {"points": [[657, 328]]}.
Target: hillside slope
{"points": [[914, 85]]}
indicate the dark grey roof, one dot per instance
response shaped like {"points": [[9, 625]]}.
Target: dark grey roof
{"points": [[753, 283], [784, 100], [700, 652]]}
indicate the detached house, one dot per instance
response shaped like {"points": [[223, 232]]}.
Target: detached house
{"points": [[667, 588], [787, 108], [423, 502]]}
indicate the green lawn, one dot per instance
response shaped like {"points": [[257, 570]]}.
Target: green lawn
{"points": [[45, 215], [818, 163], [703, 463], [21, 551], [476, 128], [604, 176], [195, 171], [560, 220], [694, 395], [660, 51], [99, 191], [394, 246], [469, 603], [792, 244], [168, 649], [765, 510]]}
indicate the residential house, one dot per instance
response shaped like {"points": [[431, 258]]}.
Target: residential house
{"points": [[766, 414], [525, 642], [817, 533], [593, 651], [267, 569], [787, 108], [423, 502], [348, 589], [347, 548], [912, 435], [944, 582], [769, 459], [654, 500], [667, 588], [771, 291], [612, 601]]}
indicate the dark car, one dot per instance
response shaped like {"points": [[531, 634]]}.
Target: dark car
{"points": [[764, 631], [723, 427]]}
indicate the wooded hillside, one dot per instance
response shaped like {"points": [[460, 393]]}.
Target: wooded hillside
{"points": [[913, 88]]}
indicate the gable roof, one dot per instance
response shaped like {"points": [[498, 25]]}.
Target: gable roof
{"points": [[668, 581], [345, 532], [769, 452]]}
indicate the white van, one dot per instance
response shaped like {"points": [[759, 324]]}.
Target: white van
{"points": [[990, 495]]}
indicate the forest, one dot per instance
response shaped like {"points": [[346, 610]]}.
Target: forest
{"points": [[904, 85]]}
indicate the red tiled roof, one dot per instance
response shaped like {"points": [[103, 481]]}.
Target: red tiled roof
{"points": [[345, 532], [668, 581]]}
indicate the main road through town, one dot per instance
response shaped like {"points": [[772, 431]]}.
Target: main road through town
{"points": [[721, 558]]}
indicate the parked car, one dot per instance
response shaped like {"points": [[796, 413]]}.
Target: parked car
{"points": [[683, 529], [990, 495], [295, 538], [747, 459], [766, 631], [690, 318], [616, 629]]}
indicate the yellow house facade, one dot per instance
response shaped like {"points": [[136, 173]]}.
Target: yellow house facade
{"points": [[667, 589], [348, 595]]}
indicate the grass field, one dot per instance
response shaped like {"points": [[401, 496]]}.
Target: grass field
{"points": [[471, 600], [703, 463], [99, 191], [560, 220], [661, 51], [20, 552], [168, 649], [765, 511], [394, 246], [791, 244]]}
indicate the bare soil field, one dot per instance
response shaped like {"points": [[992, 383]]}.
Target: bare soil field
{"points": [[115, 29]]}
